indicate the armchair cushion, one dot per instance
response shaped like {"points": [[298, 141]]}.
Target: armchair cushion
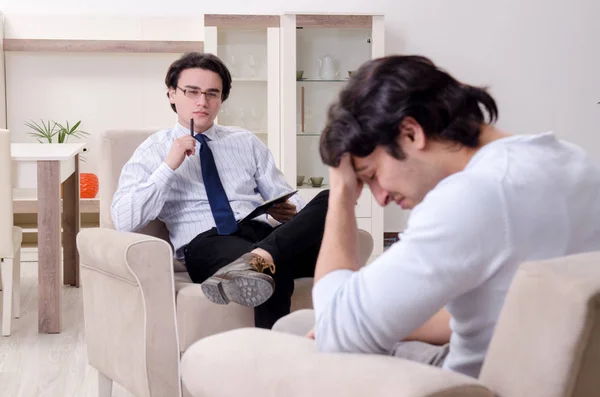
{"points": [[296, 323], [182, 280], [116, 148], [193, 310], [302, 298], [179, 267], [197, 317], [269, 363]]}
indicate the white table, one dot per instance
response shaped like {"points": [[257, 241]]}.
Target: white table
{"points": [[45, 167]]}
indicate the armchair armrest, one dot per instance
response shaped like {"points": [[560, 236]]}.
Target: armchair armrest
{"points": [[269, 363], [365, 246], [129, 309], [117, 253]]}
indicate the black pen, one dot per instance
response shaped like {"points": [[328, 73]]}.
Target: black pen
{"points": [[192, 127]]}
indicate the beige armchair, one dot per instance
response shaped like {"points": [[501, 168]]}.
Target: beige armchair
{"points": [[140, 308], [10, 240], [546, 344]]}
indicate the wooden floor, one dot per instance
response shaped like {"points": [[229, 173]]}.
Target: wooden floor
{"points": [[34, 365]]}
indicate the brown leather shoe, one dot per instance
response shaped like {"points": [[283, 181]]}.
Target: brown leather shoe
{"points": [[242, 282]]}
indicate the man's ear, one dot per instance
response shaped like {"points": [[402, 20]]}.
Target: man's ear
{"points": [[171, 95], [411, 135]]}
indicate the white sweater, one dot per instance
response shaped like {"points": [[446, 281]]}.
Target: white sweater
{"points": [[519, 199]]}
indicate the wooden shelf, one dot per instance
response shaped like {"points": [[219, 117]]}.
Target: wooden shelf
{"points": [[308, 186], [241, 21], [249, 79], [128, 46], [32, 227], [29, 206], [334, 21], [322, 81]]}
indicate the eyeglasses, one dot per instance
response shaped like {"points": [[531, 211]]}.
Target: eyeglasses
{"points": [[194, 93]]}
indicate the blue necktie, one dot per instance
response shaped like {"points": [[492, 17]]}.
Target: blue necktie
{"points": [[217, 198]]}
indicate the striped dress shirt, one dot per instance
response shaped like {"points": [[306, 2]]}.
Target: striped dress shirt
{"points": [[149, 189]]}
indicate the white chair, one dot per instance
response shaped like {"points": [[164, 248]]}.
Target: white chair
{"points": [[10, 239]]}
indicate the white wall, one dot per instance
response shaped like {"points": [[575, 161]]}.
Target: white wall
{"points": [[540, 57], [104, 90]]}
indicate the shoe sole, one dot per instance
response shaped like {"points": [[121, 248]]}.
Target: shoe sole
{"points": [[242, 289]]}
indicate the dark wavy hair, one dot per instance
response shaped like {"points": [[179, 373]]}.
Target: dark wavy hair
{"points": [[198, 60], [370, 109]]}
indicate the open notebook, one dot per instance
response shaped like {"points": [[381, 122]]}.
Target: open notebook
{"points": [[266, 205]]}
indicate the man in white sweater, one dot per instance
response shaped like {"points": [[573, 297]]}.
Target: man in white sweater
{"points": [[482, 201]]}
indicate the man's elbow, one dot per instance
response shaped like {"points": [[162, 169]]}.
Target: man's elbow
{"points": [[119, 223], [122, 228], [352, 336], [329, 342], [326, 344], [330, 339], [119, 226]]}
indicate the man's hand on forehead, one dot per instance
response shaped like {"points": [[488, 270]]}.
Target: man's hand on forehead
{"points": [[343, 179]]}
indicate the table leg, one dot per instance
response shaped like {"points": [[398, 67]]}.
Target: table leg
{"points": [[49, 285], [71, 223]]}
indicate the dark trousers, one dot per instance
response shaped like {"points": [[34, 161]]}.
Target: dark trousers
{"points": [[293, 245]]}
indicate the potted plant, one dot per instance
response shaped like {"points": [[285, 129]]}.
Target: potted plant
{"points": [[47, 131], [51, 131]]}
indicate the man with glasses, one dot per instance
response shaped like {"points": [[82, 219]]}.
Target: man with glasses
{"points": [[200, 183]]}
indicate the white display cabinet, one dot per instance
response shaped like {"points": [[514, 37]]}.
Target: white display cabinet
{"points": [[317, 54], [250, 47]]}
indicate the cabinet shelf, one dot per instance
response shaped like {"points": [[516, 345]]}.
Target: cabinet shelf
{"points": [[322, 81], [32, 227], [249, 79], [29, 205], [308, 186]]}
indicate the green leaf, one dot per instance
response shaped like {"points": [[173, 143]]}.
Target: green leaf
{"points": [[47, 130], [42, 131], [75, 126]]}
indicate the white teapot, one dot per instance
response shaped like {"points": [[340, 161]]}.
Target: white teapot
{"points": [[327, 68]]}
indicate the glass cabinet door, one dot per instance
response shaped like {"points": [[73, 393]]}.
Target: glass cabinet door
{"points": [[318, 55], [250, 50], [325, 58]]}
